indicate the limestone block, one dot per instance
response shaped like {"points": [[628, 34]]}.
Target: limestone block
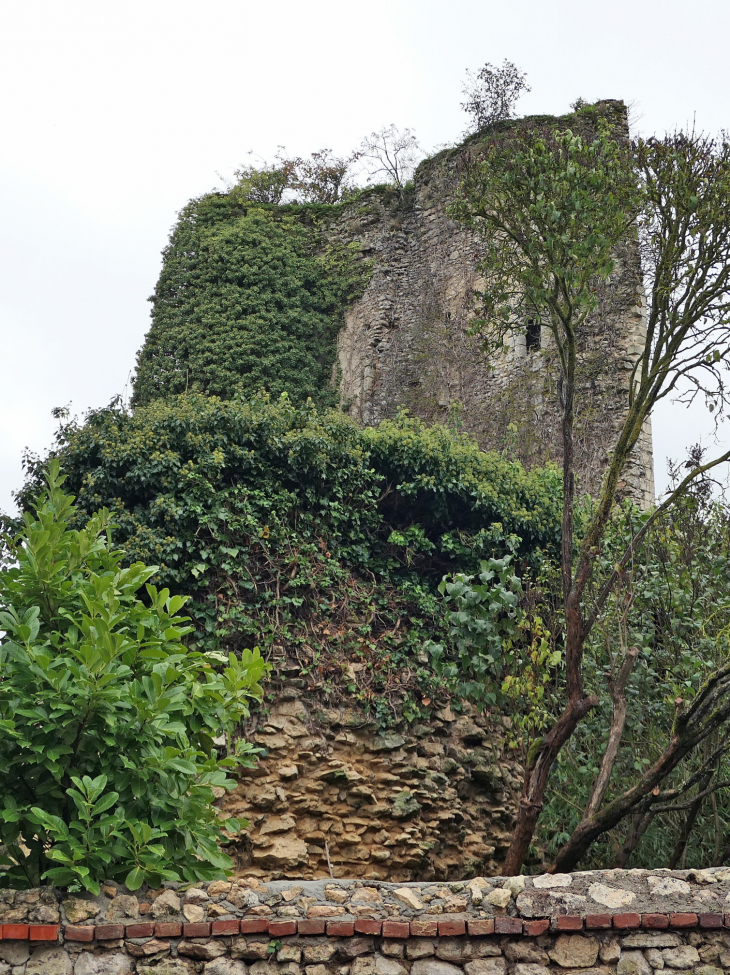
{"points": [[575, 951], [49, 961], [419, 948], [106, 964], [166, 905], [388, 966], [224, 966], [550, 880], [122, 907], [667, 886], [168, 966], [14, 952], [486, 966], [201, 951], [683, 956], [651, 939], [78, 910], [428, 966], [611, 897], [633, 963]]}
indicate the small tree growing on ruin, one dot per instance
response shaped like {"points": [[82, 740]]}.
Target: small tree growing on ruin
{"points": [[491, 94], [552, 208], [392, 154]]}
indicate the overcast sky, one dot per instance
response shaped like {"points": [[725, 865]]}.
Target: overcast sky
{"points": [[115, 114]]}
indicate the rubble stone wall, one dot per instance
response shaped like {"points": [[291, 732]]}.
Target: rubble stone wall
{"points": [[633, 922], [434, 801], [405, 342]]}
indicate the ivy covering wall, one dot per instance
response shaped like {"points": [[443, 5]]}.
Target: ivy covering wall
{"points": [[250, 297], [297, 530]]}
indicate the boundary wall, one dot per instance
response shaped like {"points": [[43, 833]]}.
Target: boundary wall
{"points": [[632, 922]]}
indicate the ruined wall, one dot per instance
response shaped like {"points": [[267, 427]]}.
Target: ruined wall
{"points": [[404, 342], [435, 802], [615, 922]]}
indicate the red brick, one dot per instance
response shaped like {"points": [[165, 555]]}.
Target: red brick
{"points": [[727, 920], [257, 925], [598, 922], [451, 928], [231, 926], [144, 929], [569, 922], [76, 932], [44, 932], [507, 925], [339, 929], [682, 920], [306, 925], [363, 925], [396, 929], [171, 929], [626, 921], [480, 926], [108, 932], [710, 920], [422, 928], [197, 929], [655, 921], [534, 929], [278, 929], [15, 932]]}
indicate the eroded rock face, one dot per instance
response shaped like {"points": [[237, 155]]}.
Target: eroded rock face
{"points": [[435, 803]]}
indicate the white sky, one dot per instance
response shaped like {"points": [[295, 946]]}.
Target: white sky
{"points": [[115, 114]]}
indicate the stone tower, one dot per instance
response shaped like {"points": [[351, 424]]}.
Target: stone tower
{"points": [[405, 342]]}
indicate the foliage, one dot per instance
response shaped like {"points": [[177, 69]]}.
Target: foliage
{"points": [[554, 208], [492, 94], [107, 762], [391, 153], [322, 178], [298, 530], [672, 604], [249, 297]]}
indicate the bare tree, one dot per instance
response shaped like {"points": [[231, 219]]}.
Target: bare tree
{"points": [[491, 94], [392, 153]]}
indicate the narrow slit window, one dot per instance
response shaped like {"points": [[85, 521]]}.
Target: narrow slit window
{"points": [[532, 335]]}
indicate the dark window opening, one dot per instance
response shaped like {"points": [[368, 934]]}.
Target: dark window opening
{"points": [[532, 335]]}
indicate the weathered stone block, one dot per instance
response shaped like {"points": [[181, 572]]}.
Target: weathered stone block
{"points": [[575, 951]]}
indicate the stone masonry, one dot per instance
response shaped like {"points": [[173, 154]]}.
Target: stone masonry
{"points": [[404, 343], [634, 922], [435, 801]]}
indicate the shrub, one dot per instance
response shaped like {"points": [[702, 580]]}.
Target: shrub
{"points": [[107, 721], [297, 530]]}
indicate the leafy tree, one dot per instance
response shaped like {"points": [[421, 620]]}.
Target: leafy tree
{"points": [[491, 94], [248, 298], [663, 634], [553, 207], [321, 179], [107, 721], [392, 154]]}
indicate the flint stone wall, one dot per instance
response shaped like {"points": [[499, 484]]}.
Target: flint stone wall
{"points": [[633, 922]]}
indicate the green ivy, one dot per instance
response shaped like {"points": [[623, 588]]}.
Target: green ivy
{"points": [[297, 530], [250, 297]]}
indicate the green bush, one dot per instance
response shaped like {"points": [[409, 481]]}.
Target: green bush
{"points": [[297, 530], [107, 721]]}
